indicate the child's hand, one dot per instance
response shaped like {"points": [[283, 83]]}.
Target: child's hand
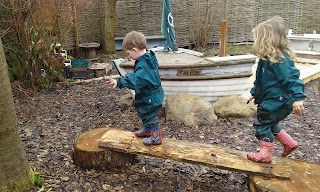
{"points": [[112, 82], [298, 107], [250, 99], [128, 59]]}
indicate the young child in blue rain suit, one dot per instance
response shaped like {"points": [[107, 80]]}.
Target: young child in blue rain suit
{"points": [[145, 81], [277, 89]]}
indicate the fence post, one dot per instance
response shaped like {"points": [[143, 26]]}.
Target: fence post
{"points": [[75, 24]]}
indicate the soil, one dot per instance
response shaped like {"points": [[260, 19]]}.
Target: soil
{"points": [[50, 121]]}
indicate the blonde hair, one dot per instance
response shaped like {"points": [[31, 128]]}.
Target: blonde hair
{"points": [[134, 39], [270, 40]]}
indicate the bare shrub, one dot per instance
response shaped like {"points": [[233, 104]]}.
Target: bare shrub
{"points": [[30, 31], [202, 23]]}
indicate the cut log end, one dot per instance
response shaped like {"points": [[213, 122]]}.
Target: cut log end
{"points": [[88, 155]]}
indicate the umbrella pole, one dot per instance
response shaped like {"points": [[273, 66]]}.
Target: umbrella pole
{"points": [[223, 31]]}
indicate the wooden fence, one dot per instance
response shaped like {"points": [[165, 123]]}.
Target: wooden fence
{"points": [[145, 16]]}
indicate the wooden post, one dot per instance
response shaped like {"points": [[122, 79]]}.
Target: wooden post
{"points": [[100, 3], [75, 25], [223, 39], [109, 46]]}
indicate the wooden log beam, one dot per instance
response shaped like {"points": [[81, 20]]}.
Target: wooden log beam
{"points": [[305, 176], [310, 73], [197, 153]]}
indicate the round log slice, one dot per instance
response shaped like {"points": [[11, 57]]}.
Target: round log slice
{"points": [[88, 155]]}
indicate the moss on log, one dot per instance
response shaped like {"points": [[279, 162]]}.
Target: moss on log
{"points": [[24, 184]]}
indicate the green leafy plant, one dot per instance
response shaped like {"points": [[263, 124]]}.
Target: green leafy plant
{"points": [[36, 178], [69, 80]]}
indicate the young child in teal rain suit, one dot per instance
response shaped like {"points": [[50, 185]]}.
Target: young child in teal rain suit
{"points": [[277, 89], [145, 81]]}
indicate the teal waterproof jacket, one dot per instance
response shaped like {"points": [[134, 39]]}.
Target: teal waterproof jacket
{"points": [[145, 81], [277, 85]]}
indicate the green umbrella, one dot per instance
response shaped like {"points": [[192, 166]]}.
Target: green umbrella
{"points": [[167, 27]]}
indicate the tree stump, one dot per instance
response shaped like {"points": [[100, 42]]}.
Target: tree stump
{"points": [[88, 155]]}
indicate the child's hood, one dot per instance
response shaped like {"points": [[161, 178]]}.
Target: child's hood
{"points": [[150, 59]]}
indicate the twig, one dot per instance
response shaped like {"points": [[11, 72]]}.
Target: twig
{"points": [[20, 89], [97, 79]]}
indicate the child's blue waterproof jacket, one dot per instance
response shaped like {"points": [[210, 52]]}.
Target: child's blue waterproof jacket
{"points": [[277, 85], [145, 81]]}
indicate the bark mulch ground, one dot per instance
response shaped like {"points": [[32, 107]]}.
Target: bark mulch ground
{"points": [[50, 120]]}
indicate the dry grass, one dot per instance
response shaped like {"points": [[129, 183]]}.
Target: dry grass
{"points": [[232, 49]]}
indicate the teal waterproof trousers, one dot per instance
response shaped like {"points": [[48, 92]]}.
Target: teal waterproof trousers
{"points": [[149, 106], [267, 124]]}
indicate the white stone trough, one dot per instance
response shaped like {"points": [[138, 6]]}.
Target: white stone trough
{"points": [[305, 44], [210, 78]]}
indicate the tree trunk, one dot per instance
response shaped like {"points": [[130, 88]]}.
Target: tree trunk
{"points": [[109, 46], [14, 168]]}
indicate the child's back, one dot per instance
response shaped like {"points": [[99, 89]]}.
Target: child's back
{"points": [[277, 89], [145, 81]]}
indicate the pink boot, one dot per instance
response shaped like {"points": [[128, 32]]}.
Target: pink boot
{"points": [[286, 140], [265, 153]]}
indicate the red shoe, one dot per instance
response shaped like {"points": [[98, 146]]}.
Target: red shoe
{"points": [[265, 153], [286, 140], [145, 132]]}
